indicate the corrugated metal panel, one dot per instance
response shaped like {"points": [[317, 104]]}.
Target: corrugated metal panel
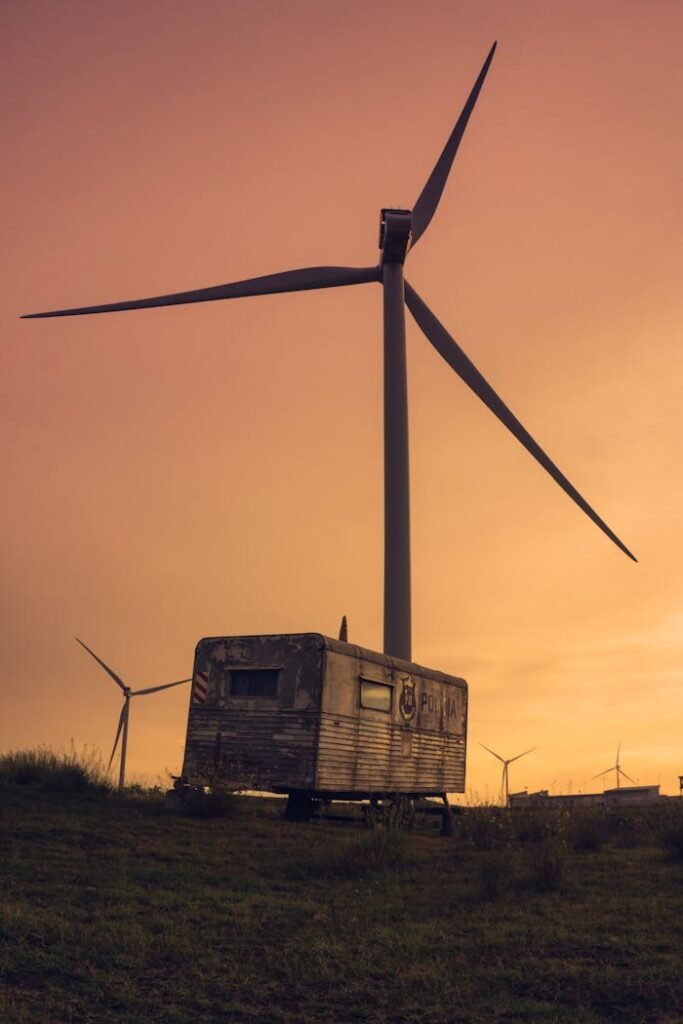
{"points": [[264, 749], [371, 756]]}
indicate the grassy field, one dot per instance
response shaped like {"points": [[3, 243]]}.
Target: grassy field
{"points": [[113, 911]]}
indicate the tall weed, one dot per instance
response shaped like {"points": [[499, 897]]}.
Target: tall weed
{"points": [[532, 824], [548, 866], [671, 834], [587, 829], [72, 772], [383, 849], [495, 869], [484, 828], [397, 813]]}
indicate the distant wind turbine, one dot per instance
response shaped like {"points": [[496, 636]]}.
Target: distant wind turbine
{"points": [[616, 767], [400, 230], [505, 786], [125, 710]]}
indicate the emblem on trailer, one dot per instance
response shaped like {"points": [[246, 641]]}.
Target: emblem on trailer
{"points": [[407, 702]]}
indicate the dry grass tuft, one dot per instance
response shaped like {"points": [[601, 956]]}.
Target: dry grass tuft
{"points": [[72, 772]]}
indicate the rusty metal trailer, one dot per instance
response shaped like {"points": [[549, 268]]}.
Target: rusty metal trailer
{"points": [[318, 718]]}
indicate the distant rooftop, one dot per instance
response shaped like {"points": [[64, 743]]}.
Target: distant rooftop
{"points": [[618, 795]]}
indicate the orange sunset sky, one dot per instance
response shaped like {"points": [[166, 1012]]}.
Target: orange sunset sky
{"points": [[216, 469]]}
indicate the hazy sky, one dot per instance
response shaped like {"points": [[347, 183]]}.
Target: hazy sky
{"points": [[216, 469]]}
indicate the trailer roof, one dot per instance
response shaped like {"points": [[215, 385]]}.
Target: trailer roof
{"points": [[353, 650]]}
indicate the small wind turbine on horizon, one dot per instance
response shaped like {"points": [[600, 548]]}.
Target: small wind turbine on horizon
{"points": [[400, 231], [616, 767], [505, 783], [125, 710]]}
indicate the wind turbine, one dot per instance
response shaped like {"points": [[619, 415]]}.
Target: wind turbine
{"points": [[618, 769], [505, 787], [125, 710], [400, 230]]}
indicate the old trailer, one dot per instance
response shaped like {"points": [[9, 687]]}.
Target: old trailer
{"points": [[318, 718]]}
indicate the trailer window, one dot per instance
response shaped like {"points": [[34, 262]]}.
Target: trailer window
{"points": [[375, 695], [254, 682]]}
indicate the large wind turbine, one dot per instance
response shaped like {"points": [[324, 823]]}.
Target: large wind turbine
{"points": [[616, 767], [125, 710], [505, 784], [400, 230]]}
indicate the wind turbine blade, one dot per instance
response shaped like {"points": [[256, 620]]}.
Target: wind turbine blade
{"points": [[606, 772], [109, 671], [118, 734], [288, 281], [428, 200], [155, 689], [467, 371], [492, 752], [628, 777], [522, 755], [618, 750]]}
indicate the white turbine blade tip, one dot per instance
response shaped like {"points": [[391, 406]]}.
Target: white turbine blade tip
{"points": [[110, 671]]}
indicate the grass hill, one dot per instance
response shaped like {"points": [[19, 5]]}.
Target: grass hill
{"points": [[114, 912]]}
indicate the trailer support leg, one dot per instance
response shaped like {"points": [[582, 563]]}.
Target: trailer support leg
{"points": [[447, 817], [301, 806]]}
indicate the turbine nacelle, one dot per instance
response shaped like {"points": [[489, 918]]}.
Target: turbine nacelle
{"points": [[395, 234]]}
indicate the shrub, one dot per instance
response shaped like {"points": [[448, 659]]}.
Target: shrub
{"points": [[625, 827], [218, 803], [548, 866], [496, 872], [485, 828], [587, 829], [57, 773], [383, 849], [531, 825], [671, 837], [214, 791], [202, 801], [397, 813]]}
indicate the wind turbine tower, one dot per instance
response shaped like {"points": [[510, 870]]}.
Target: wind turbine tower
{"points": [[400, 231], [122, 730], [616, 767], [505, 782]]}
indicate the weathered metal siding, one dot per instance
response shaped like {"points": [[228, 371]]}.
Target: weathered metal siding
{"points": [[314, 735], [418, 747], [264, 743], [370, 757]]}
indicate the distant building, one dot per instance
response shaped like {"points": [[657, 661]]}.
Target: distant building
{"points": [[620, 796], [631, 795]]}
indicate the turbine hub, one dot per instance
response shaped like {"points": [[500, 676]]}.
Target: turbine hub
{"points": [[394, 234]]}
